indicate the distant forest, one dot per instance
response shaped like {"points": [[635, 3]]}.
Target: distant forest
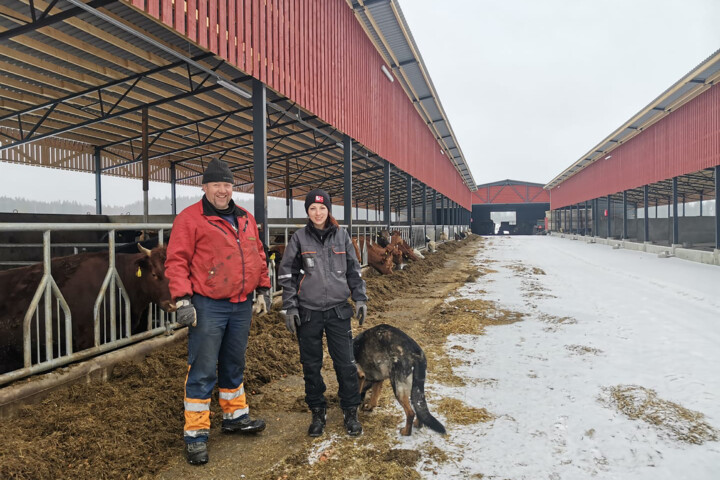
{"points": [[157, 206]]}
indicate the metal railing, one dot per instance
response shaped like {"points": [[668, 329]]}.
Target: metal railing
{"points": [[415, 236], [112, 298], [49, 320]]}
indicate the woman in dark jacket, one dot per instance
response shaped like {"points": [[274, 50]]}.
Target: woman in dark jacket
{"points": [[318, 273]]}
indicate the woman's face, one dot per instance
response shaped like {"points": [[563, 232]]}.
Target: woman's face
{"points": [[318, 214]]}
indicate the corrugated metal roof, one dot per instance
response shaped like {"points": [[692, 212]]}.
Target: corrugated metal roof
{"points": [[690, 86], [385, 25]]}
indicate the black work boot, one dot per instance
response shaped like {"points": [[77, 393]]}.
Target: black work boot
{"points": [[352, 426], [318, 422], [243, 424], [196, 453]]}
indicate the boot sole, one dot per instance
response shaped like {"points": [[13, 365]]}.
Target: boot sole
{"points": [[239, 430]]}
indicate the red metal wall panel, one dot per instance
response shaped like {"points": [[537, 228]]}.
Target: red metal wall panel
{"points": [[685, 141], [517, 193], [317, 54]]}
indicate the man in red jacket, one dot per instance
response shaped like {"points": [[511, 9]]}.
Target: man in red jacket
{"points": [[215, 260]]}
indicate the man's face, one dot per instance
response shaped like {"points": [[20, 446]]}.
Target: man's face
{"points": [[218, 194]]}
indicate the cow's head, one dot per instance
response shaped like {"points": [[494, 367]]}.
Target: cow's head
{"points": [[152, 278]]}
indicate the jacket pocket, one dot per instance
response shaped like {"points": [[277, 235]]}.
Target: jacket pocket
{"points": [[344, 311], [339, 261], [309, 260]]}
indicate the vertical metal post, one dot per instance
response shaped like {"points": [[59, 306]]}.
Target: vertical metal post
{"points": [[701, 202], [683, 204], [386, 190], [288, 191], [646, 223], [48, 299], [173, 188], [586, 218], [347, 181], [609, 216], [424, 211], [259, 110], [675, 224], [442, 212], [409, 187], [291, 205], [98, 181], [596, 217], [433, 209], [145, 162], [624, 228], [717, 207]]}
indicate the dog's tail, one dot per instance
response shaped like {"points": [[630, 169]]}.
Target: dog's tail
{"points": [[417, 397]]}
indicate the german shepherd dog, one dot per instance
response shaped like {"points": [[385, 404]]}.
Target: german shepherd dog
{"points": [[385, 352]]}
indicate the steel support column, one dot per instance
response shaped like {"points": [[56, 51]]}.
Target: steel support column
{"points": [[624, 228], [409, 188], [586, 219], [424, 211], [646, 209], [347, 181], [433, 208], [675, 222], [259, 109], [442, 212], [387, 215], [173, 189], [609, 216], [596, 217], [717, 207], [145, 162], [98, 181]]}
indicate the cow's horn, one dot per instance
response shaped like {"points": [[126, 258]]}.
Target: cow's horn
{"points": [[143, 250]]}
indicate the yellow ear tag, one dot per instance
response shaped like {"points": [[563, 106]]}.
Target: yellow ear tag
{"points": [[272, 257], [138, 273]]}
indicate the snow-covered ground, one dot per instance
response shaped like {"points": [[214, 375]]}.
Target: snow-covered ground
{"points": [[598, 318]]}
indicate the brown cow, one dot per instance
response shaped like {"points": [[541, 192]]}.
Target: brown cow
{"points": [[379, 258], [405, 252], [79, 278]]}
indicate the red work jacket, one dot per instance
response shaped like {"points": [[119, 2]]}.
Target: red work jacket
{"points": [[207, 255]]}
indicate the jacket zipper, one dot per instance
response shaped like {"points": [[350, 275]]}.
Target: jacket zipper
{"points": [[242, 254]]}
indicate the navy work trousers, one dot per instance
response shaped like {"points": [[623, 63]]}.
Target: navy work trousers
{"points": [[340, 346]]}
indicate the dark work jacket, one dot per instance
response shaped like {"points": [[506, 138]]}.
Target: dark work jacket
{"points": [[317, 275]]}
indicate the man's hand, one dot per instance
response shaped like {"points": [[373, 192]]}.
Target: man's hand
{"points": [[292, 320], [185, 312], [360, 311], [262, 301]]}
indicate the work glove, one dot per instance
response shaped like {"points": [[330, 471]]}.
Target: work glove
{"points": [[262, 301], [360, 311], [292, 320], [185, 312]]}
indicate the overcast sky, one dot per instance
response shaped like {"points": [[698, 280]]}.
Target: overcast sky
{"points": [[529, 86]]}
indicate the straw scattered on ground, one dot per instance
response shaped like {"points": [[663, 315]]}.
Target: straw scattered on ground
{"points": [[668, 418]]}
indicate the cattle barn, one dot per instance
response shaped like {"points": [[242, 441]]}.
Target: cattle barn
{"points": [[509, 207], [653, 183], [154, 89]]}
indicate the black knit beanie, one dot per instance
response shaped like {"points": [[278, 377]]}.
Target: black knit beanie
{"points": [[217, 171], [318, 196]]}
